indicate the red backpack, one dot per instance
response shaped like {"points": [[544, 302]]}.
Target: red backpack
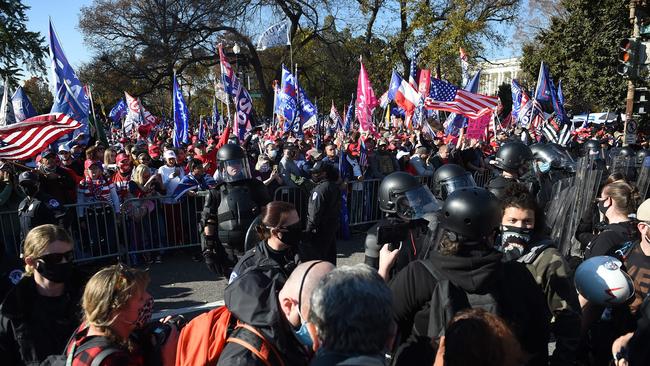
{"points": [[203, 339]]}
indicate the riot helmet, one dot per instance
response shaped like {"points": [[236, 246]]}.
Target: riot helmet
{"points": [[601, 280], [640, 156], [400, 193], [592, 148], [473, 213], [449, 178], [513, 157], [28, 183], [233, 163], [551, 156]]}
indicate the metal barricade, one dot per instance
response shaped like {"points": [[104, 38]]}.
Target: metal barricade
{"points": [[295, 196], [363, 202], [153, 225], [94, 231]]}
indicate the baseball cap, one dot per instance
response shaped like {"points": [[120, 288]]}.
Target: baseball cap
{"points": [[88, 163], [47, 153], [643, 212], [121, 157], [63, 148], [169, 154]]}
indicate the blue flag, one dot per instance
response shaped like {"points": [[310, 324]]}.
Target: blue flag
{"points": [[516, 98], [307, 108], [216, 128], [118, 111], [23, 108], [558, 107], [201, 136], [455, 122], [69, 95], [543, 92], [286, 105], [349, 117], [181, 117]]}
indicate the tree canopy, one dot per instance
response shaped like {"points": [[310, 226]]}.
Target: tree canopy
{"points": [[580, 47], [18, 46]]}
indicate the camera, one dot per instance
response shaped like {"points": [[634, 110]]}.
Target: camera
{"points": [[391, 232]]}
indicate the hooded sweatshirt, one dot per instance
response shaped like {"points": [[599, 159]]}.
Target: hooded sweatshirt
{"points": [[476, 271]]}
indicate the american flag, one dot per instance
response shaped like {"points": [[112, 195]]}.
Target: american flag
{"points": [[26, 139], [334, 116], [446, 97]]}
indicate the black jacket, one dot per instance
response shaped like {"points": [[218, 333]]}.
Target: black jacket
{"points": [[521, 302], [612, 238], [31, 330], [262, 255], [324, 208], [253, 299]]}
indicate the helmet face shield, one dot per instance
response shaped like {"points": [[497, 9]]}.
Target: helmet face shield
{"points": [[416, 203], [234, 170], [450, 185]]}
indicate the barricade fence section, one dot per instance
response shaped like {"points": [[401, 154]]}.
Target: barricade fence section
{"points": [[150, 226]]}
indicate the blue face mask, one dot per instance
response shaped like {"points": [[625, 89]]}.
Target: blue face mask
{"points": [[303, 334], [543, 166]]}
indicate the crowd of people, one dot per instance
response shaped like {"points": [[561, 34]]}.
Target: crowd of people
{"points": [[455, 273]]}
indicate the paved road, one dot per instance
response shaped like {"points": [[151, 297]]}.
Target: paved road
{"points": [[179, 282]]}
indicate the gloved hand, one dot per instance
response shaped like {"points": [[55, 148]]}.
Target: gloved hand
{"points": [[213, 262]]}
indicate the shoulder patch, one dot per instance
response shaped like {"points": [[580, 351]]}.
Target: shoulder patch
{"points": [[15, 276], [314, 196], [53, 203]]}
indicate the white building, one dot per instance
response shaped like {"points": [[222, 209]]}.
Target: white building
{"points": [[497, 72]]}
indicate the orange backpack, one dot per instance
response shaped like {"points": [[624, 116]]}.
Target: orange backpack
{"points": [[203, 339]]}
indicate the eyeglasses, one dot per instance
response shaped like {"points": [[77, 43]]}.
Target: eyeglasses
{"points": [[56, 258]]}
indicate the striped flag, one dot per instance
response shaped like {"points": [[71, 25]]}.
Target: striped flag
{"points": [[334, 116], [25, 139], [446, 97]]}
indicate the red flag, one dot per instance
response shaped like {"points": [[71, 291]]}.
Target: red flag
{"points": [[366, 101], [26, 139]]}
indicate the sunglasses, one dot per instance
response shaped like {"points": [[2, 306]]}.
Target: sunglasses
{"points": [[55, 258]]}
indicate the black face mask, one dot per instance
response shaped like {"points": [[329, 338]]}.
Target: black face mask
{"points": [[292, 236], [601, 207], [29, 190], [515, 234], [59, 272]]}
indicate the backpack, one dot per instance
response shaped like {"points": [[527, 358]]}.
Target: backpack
{"points": [[448, 299], [203, 339], [105, 349]]}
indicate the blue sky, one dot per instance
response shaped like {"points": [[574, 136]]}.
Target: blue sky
{"points": [[65, 16]]}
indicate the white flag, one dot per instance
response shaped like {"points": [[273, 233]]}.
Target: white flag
{"points": [[6, 108], [275, 35]]}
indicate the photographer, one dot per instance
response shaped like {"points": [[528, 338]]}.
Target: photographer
{"points": [[117, 308]]}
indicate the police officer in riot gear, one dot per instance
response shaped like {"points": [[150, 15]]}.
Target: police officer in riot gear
{"points": [[229, 210], [551, 164], [514, 160], [410, 220], [449, 178], [323, 215], [38, 208], [592, 148]]}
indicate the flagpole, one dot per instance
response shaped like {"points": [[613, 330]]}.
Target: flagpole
{"points": [[92, 109]]}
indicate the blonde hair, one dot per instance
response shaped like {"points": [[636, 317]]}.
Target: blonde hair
{"points": [[107, 156], [108, 291], [39, 238], [138, 171]]}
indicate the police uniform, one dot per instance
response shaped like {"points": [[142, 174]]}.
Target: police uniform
{"points": [[40, 210], [323, 219]]}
